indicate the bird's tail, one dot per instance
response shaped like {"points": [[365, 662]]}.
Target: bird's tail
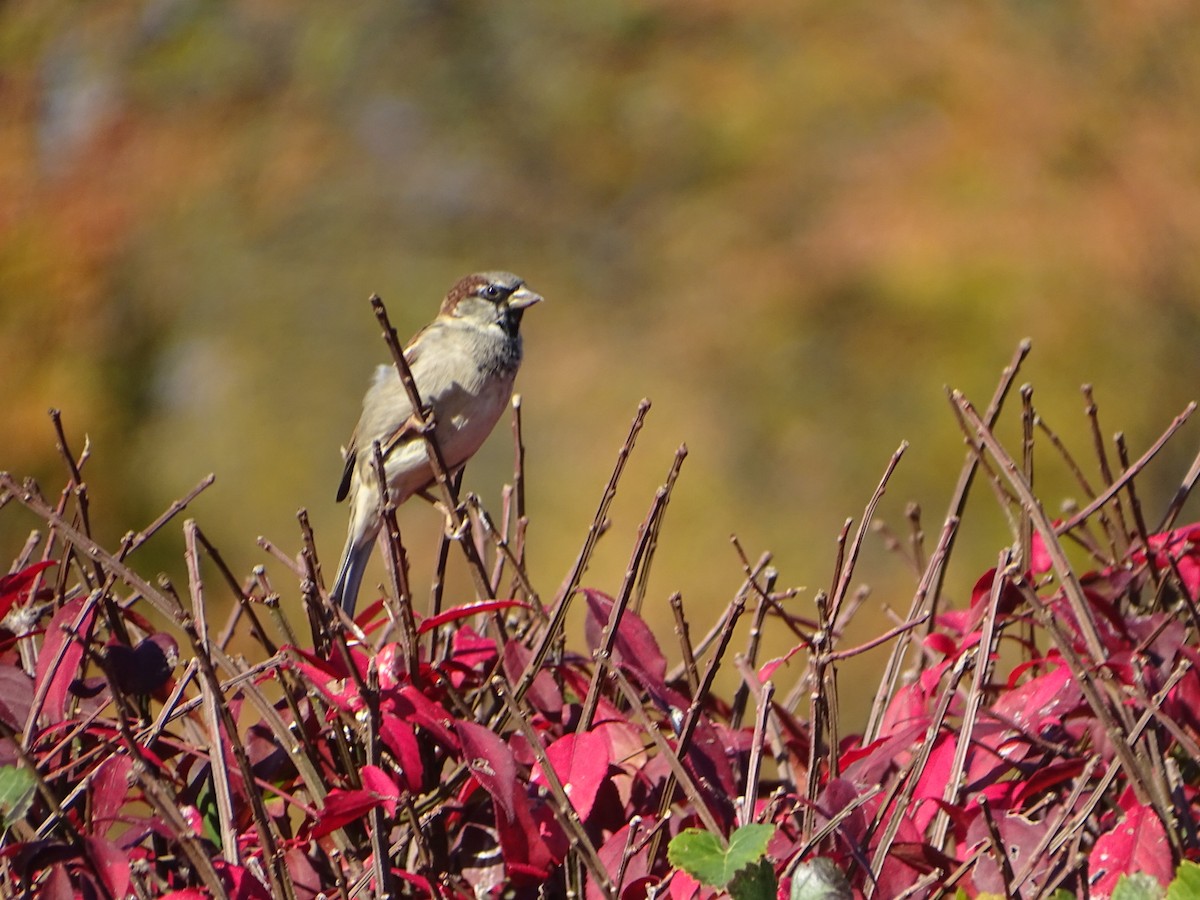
{"points": [[350, 572]]}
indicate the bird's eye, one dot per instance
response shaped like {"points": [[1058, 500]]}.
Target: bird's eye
{"points": [[492, 292]]}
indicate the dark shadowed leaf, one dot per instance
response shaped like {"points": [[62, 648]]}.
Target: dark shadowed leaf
{"points": [[145, 668], [756, 881], [242, 885], [611, 854]]}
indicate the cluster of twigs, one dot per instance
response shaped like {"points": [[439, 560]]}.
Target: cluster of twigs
{"points": [[449, 750]]}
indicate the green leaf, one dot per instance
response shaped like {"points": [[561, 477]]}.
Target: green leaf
{"points": [[704, 856], [1186, 885], [1138, 886], [17, 789], [820, 879], [755, 882]]}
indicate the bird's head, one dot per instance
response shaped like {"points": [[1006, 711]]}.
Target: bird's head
{"points": [[499, 298]]}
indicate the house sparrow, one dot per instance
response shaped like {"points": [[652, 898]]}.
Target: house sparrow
{"points": [[464, 364]]}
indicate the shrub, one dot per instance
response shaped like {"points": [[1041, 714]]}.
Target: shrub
{"points": [[475, 750]]}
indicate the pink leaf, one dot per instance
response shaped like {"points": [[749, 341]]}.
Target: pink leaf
{"points": [[377, 781], [1019, 838], [492, 764], [1049, 696], [1039, 557], [16, 697], [1137, 844], [303, 874]]}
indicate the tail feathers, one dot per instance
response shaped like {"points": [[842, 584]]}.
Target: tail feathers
{"points": [[350, 575]]}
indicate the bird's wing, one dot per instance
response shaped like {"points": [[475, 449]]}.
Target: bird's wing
{"points": [[351, 454], [386, 378]]}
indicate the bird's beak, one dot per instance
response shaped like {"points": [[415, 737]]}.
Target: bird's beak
{"points": [[523, 298]]}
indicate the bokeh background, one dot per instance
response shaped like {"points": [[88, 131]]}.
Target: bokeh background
{"points": [[789, 224]]}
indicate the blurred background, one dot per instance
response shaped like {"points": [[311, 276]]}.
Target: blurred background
{"points": [[789, 224]]}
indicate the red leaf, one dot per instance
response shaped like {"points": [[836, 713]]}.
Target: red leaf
{"points": [[940, 642], [612, 857], [427, 714], [491, 763], [865, 766], [244, 885], [330, 678], [17, 583], [61, 653], [401, 739], [934, 778], [110, 863], [1137, 844], [343, 806], [684, 886], [634, 646], [466, 611], [544, 694], [110, 787], [581, 763]]}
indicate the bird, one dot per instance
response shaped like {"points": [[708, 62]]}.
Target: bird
{"points": [[464, 364]]}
